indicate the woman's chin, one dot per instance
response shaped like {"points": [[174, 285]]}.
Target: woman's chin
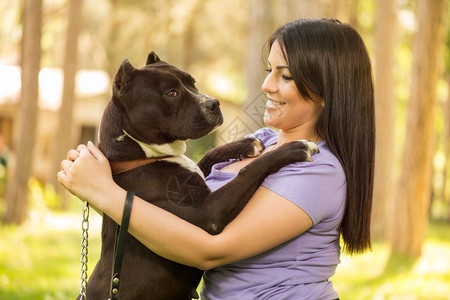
{"points": [[270, 118]]}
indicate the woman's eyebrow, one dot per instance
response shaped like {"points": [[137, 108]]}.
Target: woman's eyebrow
{"points": [[278, 67]]}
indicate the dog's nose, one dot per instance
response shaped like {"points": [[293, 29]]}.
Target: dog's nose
{"points": [[212, 104]]}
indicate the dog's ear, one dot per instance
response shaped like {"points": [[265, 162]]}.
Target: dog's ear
{"points": [[122, 77], [152, 58]]}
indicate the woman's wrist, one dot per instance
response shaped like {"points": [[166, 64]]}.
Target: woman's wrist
{"points": [[111, 196]]}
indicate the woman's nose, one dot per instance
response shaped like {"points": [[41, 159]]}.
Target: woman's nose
{"points": [[269, 85]]}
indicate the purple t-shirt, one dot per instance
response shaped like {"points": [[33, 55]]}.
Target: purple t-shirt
{"points": [[301, 267]]}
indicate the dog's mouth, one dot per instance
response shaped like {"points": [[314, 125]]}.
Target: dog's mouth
{"points": [[219, 121], [210, 123], [215, 119]]}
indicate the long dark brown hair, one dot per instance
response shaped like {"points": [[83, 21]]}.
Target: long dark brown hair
{"points": [[330, 59]]}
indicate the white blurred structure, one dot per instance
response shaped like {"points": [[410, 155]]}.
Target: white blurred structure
{"points": [[92, 93]]}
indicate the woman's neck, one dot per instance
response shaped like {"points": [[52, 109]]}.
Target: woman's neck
{"points": [[286, 136]]}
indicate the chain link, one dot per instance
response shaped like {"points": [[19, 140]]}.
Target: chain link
{"points": [[84, 250]]}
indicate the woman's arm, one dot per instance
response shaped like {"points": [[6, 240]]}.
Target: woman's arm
{"points": [[266, 221]]}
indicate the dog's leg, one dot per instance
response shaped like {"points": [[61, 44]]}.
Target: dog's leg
{"points": [[213, 211], [223, 205], [246, 147]]}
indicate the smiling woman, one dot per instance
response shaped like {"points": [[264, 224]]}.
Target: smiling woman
{"points": [[286, 108]]}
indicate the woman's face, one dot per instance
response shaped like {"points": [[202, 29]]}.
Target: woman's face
{"points": [[286, 109]]}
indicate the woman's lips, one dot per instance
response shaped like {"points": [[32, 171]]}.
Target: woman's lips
{"points": [[273, 103]]}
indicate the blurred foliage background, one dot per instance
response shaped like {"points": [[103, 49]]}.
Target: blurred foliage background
{"points": [[57, 60]]}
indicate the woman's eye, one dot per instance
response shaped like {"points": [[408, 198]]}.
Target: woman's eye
{"points": [[172, 93], [285, 77]]}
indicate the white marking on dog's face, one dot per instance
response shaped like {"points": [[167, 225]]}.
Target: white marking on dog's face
{"points": [[201, 98]]}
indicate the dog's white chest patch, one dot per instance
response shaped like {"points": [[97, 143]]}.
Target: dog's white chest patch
{"points": [[185, 162], [155, 150]]}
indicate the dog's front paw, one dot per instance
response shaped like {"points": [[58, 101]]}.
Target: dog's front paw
{"points": [[253, 148], [311, 148], [296, 151]]}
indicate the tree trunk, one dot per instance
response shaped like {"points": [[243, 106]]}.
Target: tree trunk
{"points": [[352, 6], [414, 189], [113, 46], [445, 192], [63, 139], [17, 190], [385, 108], [189, 40], [258, 34]]}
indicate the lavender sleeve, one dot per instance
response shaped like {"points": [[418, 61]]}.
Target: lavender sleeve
{"points": [[317, 187]]}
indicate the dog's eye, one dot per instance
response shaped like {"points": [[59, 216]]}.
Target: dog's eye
{"points": [[172, 93]]}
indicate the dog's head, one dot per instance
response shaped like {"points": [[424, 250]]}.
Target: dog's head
{"points": [[159, 103]]}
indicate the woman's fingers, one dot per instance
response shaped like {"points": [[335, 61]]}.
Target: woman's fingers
{"points": [[96, 152], [66, 165], [62, 177], [73, 154], [81, 147], [86, 173]]}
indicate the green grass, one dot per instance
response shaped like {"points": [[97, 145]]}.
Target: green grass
{"points": [[376, 275], [41, 260]]}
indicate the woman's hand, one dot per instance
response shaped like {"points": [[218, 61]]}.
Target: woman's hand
{"points": [[86, 173]]}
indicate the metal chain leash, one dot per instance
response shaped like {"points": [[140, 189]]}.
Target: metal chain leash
{"points": [[84, 250]]}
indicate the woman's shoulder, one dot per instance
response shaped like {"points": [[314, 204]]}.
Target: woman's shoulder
{"points": [[326, 158], [324, 162], [317, 187]]}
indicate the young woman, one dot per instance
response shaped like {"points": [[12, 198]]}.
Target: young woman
{"points": [[285, 243]]}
